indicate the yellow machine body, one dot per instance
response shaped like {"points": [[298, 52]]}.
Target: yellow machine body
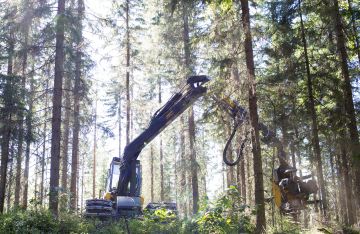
{"points": [[277, 194], [107, 196]]}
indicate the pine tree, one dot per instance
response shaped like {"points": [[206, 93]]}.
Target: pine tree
{"points": [[56, 112], [76, 126], [254, 119]]}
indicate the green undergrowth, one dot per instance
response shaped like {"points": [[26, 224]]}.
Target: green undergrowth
{"points": [[227, 214], [41, 221], [224, 215]]}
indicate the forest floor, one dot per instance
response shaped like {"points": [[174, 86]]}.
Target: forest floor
{"points": [[226, 214], [42, 221]]}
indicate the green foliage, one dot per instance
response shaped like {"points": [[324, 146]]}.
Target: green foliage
{"points": [[350, 230], [160, 221], [160, 215], [41, 221], [226, 215], [151, 226], [285, 225]]}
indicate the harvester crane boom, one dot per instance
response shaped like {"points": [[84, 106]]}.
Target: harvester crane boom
{"points": [[123, 190], [178, 103]]}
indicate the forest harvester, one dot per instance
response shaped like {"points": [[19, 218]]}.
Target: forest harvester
{"points": [[122, 197]]}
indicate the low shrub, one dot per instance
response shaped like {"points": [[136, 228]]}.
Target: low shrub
{"points": [[227, 214], [41, 221]]}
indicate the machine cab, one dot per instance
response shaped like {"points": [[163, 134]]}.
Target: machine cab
{"points": [[113, 175]]}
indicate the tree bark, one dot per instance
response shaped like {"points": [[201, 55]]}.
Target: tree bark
{"points": [[82, 184], [348, 96], [152, 173], [333, 181], [176, 182], [347, 179], [65, 148], [183, 165], [240, 167], [76, 128], [248, 176], [28, 139], [26, 27], [19, 157], [254, 119], [56, 112], [94, 151], [7, 128], [194, 170], [243, 179], [128, 101], [10, 181], [162, 187], [283, 127], [119, 119], [162, 191], [314, 123], [238, 178], [191, 120], [18, 164], [43, 154]]}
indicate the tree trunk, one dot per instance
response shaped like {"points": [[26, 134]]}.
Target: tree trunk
{"points": [[76, 128], [256, 150], [183, 166], [152, 172], [28, 142], [194, 169], [27, 24], [283, 127], [249, 180], [65, 148], [94, 151], [18, 164], [56, 112], [7, 128], [343, 202], [176, 182], [314, 123], [82, 183], [128, 104], [238, 178], [333, 181], [348, 96], [131, 113], [162, 191], [43, 154], [26, 28], [119, 120], [347, 179], [10, 181], [243, 179], [191, 120], [293, 154], [223, 171], [240, 167]]}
